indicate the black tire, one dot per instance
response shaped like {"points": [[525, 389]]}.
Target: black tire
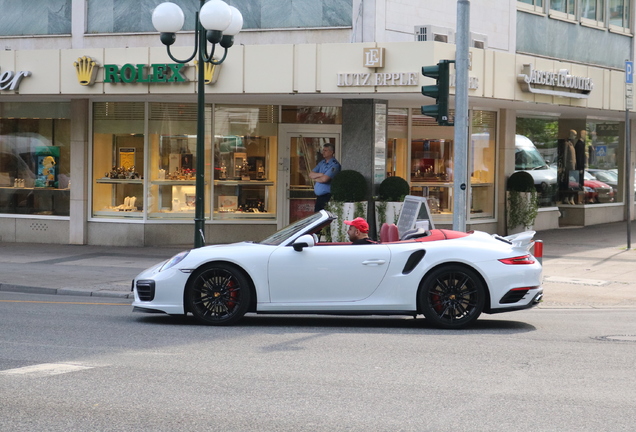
{"points": [[452, 297], [218, 294]]}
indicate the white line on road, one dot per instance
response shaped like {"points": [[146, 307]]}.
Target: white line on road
{"points": [[579, 281], [45, 369]]}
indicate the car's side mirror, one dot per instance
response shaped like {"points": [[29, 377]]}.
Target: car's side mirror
{"points": [[304, 241]]}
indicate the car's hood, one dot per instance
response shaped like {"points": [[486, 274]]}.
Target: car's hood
{"points": [[596, 184], [543, 175]]}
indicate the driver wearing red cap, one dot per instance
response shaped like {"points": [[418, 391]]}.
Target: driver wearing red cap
{"points": [[358, 231]]}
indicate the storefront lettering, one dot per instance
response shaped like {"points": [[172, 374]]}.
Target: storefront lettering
{"points": [[141, 73], [377, 79], [529, 78], [473, 82], [10, 80]]}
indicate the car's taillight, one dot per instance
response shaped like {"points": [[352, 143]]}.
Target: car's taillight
{"points": [[525, 259]]}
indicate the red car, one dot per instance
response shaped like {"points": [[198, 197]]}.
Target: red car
{"points": [[595, 190]]}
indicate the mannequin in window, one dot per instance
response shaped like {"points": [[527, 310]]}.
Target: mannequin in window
{"points": [[570, 162], [579, 149]]}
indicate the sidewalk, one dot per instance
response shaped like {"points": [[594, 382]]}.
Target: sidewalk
{"points": [[583, 267]]}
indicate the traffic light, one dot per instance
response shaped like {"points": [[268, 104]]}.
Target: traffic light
{"points": [[439, 91]]}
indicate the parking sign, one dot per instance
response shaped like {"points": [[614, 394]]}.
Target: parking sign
{"points": [[629, 72]]}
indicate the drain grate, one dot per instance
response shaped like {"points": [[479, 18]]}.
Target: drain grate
{"points": [[618, 338]]}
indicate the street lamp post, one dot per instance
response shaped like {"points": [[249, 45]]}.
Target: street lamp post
{"points": [[217, 23]]}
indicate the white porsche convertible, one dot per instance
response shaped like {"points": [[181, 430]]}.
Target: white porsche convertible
{"points": [[449, 277]]}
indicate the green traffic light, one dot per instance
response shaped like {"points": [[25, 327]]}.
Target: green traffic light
{"points": [[439, 91]]}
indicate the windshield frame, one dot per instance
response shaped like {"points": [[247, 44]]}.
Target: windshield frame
{"points": [[310, 224]]}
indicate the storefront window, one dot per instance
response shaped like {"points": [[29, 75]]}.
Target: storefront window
{"points": [[118, 159], [172, 139], [603, 155], [482, 164], [245, 162], [35, 158], [397, 143], [311, 114], [536, 151], [431, 165], [582, 159]]}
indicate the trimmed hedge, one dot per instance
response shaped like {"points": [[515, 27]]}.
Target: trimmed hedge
{"points": [[349, 186], [393, 189]]}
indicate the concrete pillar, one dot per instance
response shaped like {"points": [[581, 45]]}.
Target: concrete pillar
{"points": [[79, 171], [506, 161], [360, 132]]}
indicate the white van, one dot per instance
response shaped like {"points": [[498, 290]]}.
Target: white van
{"points": [[528, 158]]}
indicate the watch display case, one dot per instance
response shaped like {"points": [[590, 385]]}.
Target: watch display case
{"points": [[118, 175], [243, 178], [432, 173], [172, 185]]}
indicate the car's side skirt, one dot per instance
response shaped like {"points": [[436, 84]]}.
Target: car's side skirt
{"points": [[342, 312]]}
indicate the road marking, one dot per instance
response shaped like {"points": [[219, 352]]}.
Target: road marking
{"points": [[54, 302], [578, 281], [45, 369]]}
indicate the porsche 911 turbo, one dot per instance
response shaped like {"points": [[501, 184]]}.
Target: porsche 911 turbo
{"points": [[447, 276]]}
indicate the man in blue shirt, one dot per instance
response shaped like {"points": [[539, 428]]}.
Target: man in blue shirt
{"points": [[322, 175]]}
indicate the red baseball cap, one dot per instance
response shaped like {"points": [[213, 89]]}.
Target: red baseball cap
{"points": [[359, 223]]}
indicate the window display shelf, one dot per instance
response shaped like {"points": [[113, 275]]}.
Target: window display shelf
{"points": [[33, 188], [244, 215], [119, 214], [243, 183], [174, 182], [184, 214], [119, 181]]}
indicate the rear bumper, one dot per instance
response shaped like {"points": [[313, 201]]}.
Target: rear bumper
{"points": [[536, 299]]}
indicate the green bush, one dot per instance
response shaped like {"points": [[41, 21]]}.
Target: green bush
{"points": [[393, 189], [520, 181], [349, 186]]}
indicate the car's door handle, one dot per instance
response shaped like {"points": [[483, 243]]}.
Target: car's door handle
{"points": [[375, 262]]}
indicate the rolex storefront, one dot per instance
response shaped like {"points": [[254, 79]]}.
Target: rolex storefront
{"points": [[97, 146]]}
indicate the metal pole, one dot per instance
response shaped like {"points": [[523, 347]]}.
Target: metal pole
{"points": [[628, 176], [199, 205], [461, 116]]}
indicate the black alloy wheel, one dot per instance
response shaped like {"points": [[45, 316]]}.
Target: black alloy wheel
{"points": [[218, 294], [452, 297]]}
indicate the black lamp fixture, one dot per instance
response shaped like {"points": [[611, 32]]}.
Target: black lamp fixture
{"points": [[217, 23]]}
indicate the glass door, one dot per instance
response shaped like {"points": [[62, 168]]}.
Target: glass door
{"points": [[299, 152]]}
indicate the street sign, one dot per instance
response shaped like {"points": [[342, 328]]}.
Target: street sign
{"points": [[629, 72], [601, 150]]}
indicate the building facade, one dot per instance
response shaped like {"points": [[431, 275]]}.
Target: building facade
{"points": [[98, 125]]}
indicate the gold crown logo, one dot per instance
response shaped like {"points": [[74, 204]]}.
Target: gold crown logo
{"points": [[211, 72], [86, 70]]}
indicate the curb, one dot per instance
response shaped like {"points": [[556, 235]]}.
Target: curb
{"points": [[64, 291]]}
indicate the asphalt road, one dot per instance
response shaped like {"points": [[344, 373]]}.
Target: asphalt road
{"points": [[90, 364]]}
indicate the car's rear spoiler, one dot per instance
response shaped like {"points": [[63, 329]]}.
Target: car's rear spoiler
{"points": [[522, 240]]}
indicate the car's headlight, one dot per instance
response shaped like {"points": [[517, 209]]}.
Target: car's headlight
{"points": [[174, 260], [588, 189]]}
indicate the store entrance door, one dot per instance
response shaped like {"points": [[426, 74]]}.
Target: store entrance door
{"points": [[299, 152]]}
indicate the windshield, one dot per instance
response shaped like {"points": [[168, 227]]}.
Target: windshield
{"points": [[528, 158], [291, 230], [606, 176]]}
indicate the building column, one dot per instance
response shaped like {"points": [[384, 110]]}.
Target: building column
{"points": [[506, 162], [79, 171], [364, 134]]}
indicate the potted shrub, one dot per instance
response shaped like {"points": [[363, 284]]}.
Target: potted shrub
{"points": [[348, 201], [523, 204], [388, 205]]}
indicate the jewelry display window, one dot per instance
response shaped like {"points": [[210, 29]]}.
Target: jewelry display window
{"points": [[118, 161], [244, 172], [172, 185]]}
